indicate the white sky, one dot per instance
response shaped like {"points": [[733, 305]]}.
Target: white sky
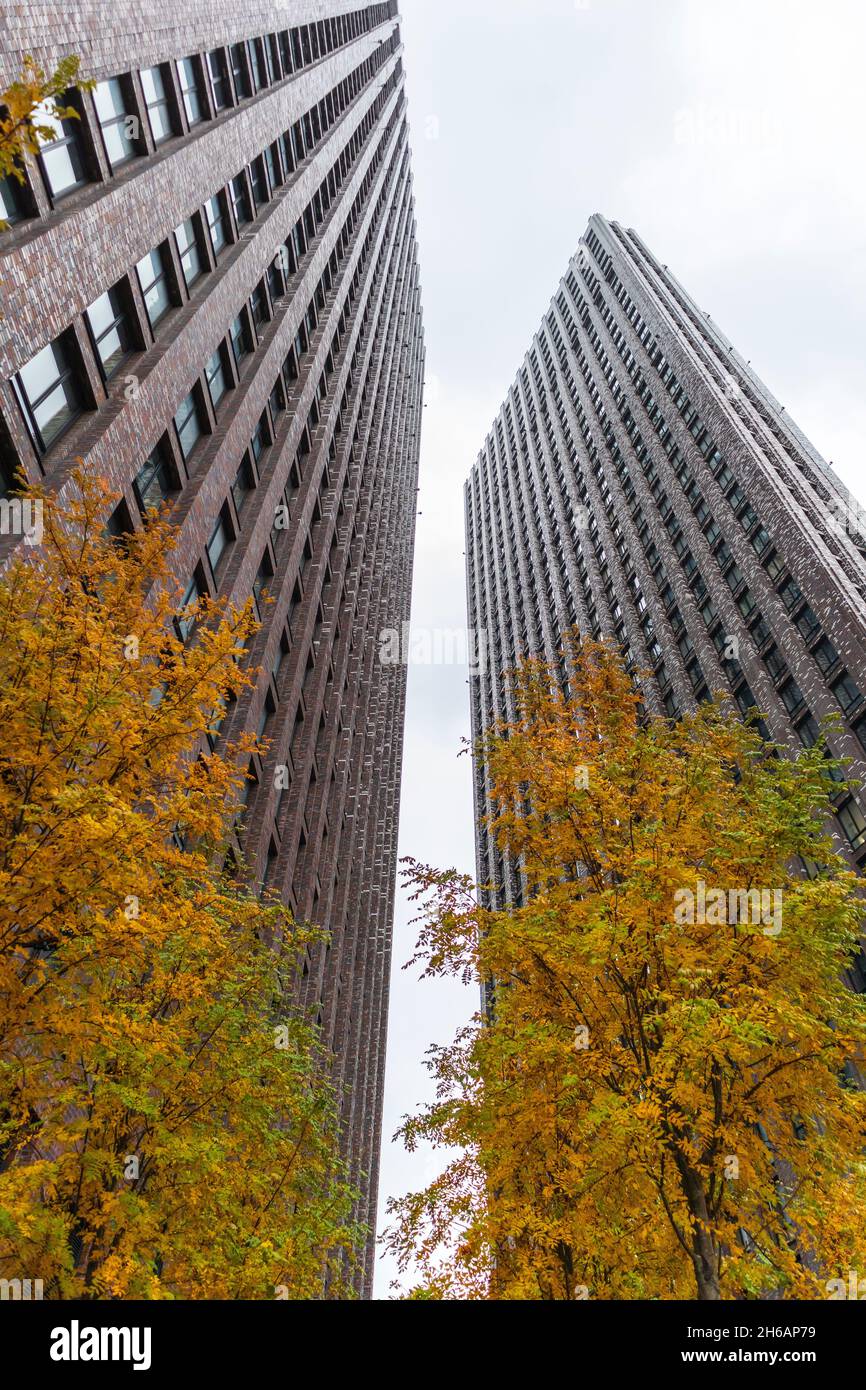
{"points": [[730, 135]]}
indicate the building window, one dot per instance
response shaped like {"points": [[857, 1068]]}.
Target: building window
{"points": [[285, 45], [9, 485], [119, 128], [218, 74], [12, 200], [276, 281], [219, 543], [259, 441], [294, 606], [857, 972], [774, 661], [760, 541], [217, 223], [808, 731], [277, 399], [259, 183], [846, 692], [259, 306], [188, 424], [186, 620], [825, 654], [239, 71], [258, 66], [48, 392], [272, 160], [295, 148], [217, 378], [62, 158], [290, 367], [260, 583], [245, 791], [807, 624], [790, 593], [240, 200], [157, 104], [187, 249], [189, 90], [153, 279], [851, 819], [269, 709], [240, 339], [155, 482], [242, 485], [281, 652], [119, 524], [110, 329], [792, 696]]}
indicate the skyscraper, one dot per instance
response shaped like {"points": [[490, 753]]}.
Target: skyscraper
{"points": [[641, 483], [211, 296]]}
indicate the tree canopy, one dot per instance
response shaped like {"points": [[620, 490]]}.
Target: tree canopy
{"points": [[166, 1125], [663, 1100]]}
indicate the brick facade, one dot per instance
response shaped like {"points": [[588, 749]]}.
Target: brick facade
{"points": [[312, 309]]}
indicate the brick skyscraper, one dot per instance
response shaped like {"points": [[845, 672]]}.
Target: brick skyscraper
{"points": [[642, 483], [210, 294]]}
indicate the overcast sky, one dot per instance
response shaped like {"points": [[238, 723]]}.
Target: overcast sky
{"points": [[729, 134]]}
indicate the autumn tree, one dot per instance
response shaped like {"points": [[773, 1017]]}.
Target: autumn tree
{"points": [[30, 108], [663, 1102], [166, 1129]]}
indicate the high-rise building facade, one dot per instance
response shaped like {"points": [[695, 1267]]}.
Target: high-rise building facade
{"points": [[210, 295], [642, 484]]}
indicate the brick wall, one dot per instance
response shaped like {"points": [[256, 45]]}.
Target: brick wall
{"points": [[348, 436]]}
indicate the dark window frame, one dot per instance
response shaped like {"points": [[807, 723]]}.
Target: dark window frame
{"points": [[69, 381], [72, 139], [221, 221], [224, 373], [239, 64], [239, 332], [224, 530], [162, 103], [16, 198], [244, 482], [122, 323], [157, 465], [259, 183], [131, 144], [196, 590], [190, 247], [219, 81], [185, 67], [164, 278], [197, 414], [240, 197]]}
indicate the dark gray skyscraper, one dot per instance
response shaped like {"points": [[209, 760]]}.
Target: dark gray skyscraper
{"points": [[642, 483], [211, 296]]}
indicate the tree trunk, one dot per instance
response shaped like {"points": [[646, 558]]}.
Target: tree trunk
{"points": [[705, 1255], [706, 1266]]}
